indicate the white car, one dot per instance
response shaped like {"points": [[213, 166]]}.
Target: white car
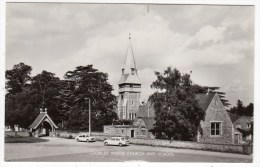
{"points": [[117, 141], [85, 137]]}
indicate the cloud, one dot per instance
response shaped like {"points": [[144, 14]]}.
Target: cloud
{"points": [[208, 40]]}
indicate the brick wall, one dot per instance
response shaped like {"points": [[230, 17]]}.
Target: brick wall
{"points": [[216, 112]]}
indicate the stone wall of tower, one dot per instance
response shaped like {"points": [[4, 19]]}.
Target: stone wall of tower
{"points": [[132, 105]]}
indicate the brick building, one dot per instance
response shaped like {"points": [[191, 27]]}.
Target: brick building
{"points": [[244, 128], [217, 126], [129, 88], [140, 129]]}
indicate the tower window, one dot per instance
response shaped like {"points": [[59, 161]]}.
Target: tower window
{"points": [[132, 71], [132, 103], [122, 97]]}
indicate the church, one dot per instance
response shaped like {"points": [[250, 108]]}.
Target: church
{"points": [[129, 87]]}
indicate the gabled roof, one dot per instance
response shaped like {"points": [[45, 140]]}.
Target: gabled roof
{"points": [[234, 117], [40, 118], [143, 111], [247, 119], [204, 99], [149, 122]]}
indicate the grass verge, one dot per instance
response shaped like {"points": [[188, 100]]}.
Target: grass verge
{"points": [[21, 139]]}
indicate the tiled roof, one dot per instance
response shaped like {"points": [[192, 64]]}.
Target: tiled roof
{"points": [[234, 117], [39, 118], [149, 122], [247, 119], [204, 99], [129, 78], [143, 111]]}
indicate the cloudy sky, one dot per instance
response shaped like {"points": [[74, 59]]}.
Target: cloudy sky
{"points": [[215, 42]]}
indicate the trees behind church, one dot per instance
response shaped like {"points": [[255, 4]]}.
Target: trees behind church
{"points": [[177, 113], [64, 99]]}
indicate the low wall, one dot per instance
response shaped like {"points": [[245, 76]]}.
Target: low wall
{"points": [[100, 136], [242, 149], [17, 133]]}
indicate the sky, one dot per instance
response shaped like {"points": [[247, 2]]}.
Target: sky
{"points": [[215, 42]]}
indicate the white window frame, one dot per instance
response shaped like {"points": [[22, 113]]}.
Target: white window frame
{"points": [[220, 128]]}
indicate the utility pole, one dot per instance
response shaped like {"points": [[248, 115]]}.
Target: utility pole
{"points": [[89, 116]]}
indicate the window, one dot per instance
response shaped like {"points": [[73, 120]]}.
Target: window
{"points": [[122, 97], [132, 103], [249, 125], [215, 128], [132, 71]]}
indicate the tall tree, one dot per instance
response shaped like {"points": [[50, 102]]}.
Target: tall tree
{"points": [[88, 83], [18, 77], [177, 113], [23, 106], [240, 109]]}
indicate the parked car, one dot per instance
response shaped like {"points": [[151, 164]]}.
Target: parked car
{"points": [[85, 137], [117, 141]]}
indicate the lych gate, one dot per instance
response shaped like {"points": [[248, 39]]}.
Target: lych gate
{"points": [[43, 125]]}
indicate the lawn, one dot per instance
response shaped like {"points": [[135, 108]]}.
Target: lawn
{"points": [[21, 139]]}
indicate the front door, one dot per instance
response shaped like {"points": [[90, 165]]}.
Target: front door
{"points": [[132, 133]]}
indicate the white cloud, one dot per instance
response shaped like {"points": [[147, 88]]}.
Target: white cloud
{"points": [[60, 37]]}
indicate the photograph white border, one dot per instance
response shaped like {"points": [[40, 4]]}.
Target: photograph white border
{"points": [[256, 161]]}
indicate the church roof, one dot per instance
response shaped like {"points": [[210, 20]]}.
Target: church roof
{"points": [[204, 99], [40, 118], [143, 111], [129, 59], [127, 76], [149, 122]]}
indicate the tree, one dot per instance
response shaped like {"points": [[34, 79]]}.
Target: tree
{"points": [[88, 82], [17, 78], [23, 106], [46, 87], [177, 113], [240, 109]]}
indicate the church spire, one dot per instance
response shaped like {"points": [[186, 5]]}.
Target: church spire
{"points": [[129, 59]]}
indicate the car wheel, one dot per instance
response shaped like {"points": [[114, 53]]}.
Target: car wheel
{"points": [[87, 140], [120, 144], [77, 140], [106, 144]]}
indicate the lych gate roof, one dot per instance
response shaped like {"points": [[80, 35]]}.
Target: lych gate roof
{"points": [[204, 99], [40, 118]]}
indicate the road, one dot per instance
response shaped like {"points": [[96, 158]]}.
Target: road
{"points": [[68, 150]]}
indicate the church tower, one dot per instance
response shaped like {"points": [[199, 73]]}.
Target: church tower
{"points": [[129, 87]]}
